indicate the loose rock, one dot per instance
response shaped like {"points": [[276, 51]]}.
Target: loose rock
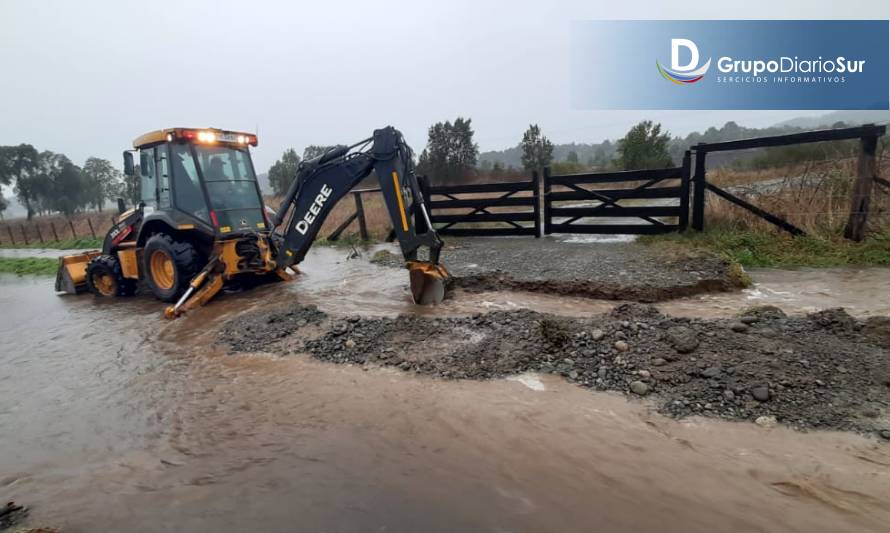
{"points": [[761, 393], [739, 327], [639, 388], [683, 339], [766, 421]]}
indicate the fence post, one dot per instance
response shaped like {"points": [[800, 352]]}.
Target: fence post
{"points": [[24, 235], [684, 191], [11, 236], [536, 186], [360, 213], [698, 193], [53, 227], [547, 218], [90, 224], [866, 170], [39, 233], [71, 225]]}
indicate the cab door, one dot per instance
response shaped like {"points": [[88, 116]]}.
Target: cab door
{"points": [[162, 164], [154, 170], [148, 182]]}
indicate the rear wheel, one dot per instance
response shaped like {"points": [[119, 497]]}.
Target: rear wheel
{"points": [[104, 278], [169, 266]]}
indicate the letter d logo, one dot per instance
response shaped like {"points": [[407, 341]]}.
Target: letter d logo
{"points": [[675, 55], [683, 74]]}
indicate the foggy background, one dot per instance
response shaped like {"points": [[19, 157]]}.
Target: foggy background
{"points": [[85, 78]]}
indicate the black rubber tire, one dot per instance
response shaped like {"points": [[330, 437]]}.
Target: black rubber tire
{"points": [[186, 262], [109, 265]]}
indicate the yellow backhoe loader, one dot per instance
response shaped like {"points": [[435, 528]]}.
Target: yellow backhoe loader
{"points": [[202, 223]]}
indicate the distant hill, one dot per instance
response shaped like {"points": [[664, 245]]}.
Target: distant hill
{"points": [[851, 118], [600, 154]]}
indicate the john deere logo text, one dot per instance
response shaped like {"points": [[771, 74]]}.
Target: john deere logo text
{"points": [[683, 74], [303, 225]]}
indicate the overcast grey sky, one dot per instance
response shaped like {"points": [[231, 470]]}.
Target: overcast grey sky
{"points": [[85, 78]]}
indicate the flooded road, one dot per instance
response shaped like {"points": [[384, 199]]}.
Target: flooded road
{"points": [[117, 420]]}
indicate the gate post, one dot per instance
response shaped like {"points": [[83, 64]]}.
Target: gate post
{"points": [[547, 219], [360, 214], [536, 189], [684, 190], [866, 170], [698, 193]]}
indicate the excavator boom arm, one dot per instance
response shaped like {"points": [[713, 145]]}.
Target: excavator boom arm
{"points": [[320, 183]]}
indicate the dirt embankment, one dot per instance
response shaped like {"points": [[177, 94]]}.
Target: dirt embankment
{"points": [[611, 271], [826, 370]]}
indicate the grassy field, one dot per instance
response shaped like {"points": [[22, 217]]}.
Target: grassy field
{"points": [[28, 266], [758, 248]]}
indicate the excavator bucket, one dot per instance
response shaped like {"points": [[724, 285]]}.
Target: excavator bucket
{"points": [[427, 282], [72, 274]]}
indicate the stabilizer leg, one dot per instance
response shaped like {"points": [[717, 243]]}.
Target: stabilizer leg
{"points": [[201, 289]]}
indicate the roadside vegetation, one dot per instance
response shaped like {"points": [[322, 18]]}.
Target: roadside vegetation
{"points": [[810, 189], [759, 248], [34, 266]]}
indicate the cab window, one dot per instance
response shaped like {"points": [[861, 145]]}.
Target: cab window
{"points": [[186, 185], [147, 176]]}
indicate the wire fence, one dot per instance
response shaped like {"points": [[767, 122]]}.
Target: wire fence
{"points": [[55, 229]]}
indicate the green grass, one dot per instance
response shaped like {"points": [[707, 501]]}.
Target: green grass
{"points": [[766, 249], [31, 266], [70, 244]]}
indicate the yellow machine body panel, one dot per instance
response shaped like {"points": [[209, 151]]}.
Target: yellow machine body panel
{"points": [[129, 262]]}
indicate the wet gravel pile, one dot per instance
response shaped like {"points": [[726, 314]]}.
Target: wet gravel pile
{"points": [[827, 370], [258, 331], [613, 271]]}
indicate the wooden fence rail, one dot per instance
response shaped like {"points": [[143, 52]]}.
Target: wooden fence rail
{"points": [[357, 215], [861, 197], [581, 207], [515, 210]]}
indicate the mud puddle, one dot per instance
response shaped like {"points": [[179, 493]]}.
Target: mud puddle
{"points": [[115, 419], [123, 421]]}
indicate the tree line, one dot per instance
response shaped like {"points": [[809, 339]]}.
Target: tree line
{"points": [[450, 155], [46, 182]]}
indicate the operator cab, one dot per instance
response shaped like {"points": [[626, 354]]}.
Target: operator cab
{"points": [[203, 177]]}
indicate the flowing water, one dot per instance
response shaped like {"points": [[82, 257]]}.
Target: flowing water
{"points": [[114, 419]]}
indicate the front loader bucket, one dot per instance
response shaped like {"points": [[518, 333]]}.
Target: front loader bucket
{"points": [[427, 282], [72, 274]]}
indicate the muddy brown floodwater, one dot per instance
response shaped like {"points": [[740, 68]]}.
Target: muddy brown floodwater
{"points": [[117, 420]]}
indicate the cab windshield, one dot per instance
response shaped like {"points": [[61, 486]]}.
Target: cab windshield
{"points": [[228, 176], [231, 188]]}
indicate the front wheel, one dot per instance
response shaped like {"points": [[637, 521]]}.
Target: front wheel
{"points": [[105, 279], [169, 266]]}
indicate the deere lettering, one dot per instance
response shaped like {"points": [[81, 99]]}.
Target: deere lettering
{"points": [[307, 220]]}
